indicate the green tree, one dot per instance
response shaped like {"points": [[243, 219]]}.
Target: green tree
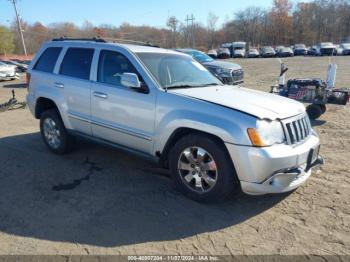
{"points": [[6, 41]]}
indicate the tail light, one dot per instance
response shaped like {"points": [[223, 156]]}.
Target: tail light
{"points": [[28, 76]]}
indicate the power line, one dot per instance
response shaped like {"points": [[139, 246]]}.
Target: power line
{"points": [[19, 26], [190, 34]]}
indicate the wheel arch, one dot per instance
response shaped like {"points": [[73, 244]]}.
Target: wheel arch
{"points": [[178, 134], [42, 104]]}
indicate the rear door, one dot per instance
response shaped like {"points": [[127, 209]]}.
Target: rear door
{"points": [[74, 80], [120, 114]]}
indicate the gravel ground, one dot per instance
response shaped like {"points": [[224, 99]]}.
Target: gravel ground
{"points": [[101, 201]]}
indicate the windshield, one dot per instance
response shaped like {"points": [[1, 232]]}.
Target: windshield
{"points": [[300, 46], [345, 45], [177, 71], [268, 49], [201, 57]]}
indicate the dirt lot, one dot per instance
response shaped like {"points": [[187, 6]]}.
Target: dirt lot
{"points": [[101, 201]]}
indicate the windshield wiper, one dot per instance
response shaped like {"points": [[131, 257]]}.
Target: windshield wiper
{"points": [[210, 84], [191, 86], [178, 86]]}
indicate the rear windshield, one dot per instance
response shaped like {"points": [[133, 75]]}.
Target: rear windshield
{"points": [[48, 59]]}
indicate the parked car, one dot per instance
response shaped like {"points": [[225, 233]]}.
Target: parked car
{"points": [[267, 51], [345, 48], [277, 48], [300, 49], [312, 51], [223, 53], [229, 73], [164, 105], [7, 72], [325, 48], [19, 66], [285, 52], [213, 54], [253, 53]]}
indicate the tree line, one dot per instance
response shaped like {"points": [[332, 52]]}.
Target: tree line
{"points": [[284, 23]]}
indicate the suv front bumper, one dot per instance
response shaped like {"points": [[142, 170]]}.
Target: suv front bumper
{"points": [[275, 169]]}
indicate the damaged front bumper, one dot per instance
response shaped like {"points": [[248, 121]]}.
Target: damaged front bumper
{"points": [[283, 181], [275, 169]]}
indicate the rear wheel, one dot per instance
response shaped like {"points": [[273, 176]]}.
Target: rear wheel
{"points": [[54, 133], [201, 168], [314, 111]]}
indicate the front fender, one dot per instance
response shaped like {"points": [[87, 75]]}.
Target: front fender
{"points": [[228, 125]]}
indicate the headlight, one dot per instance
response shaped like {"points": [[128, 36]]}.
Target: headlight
{"points": [[266, 133], [223, 72]]}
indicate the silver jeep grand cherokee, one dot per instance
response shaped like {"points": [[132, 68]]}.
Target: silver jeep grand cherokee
{"points": [[163, 104]]}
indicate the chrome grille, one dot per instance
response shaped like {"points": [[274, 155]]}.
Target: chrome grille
{"points": [[297, 129]]}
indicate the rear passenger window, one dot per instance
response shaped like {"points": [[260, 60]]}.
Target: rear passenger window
{"points": [[77, 63], [48, 59]]}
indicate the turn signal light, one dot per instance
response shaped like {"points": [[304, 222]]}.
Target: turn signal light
{"points": [[255, 138]]}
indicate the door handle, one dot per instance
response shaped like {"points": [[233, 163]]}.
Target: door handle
{"points": [[101, 95], [59, 85]]}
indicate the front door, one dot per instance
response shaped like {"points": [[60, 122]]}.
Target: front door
{"points": [[120, 114]]}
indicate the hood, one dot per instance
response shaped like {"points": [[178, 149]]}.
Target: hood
{"points": [[222, 64], [260, 104], [7, 68]]}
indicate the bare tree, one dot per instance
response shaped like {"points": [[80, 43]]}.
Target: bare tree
{"points": [[173, 24], [211, 25]]}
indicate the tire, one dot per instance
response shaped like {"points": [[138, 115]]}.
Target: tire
{"points": [[226, 182], [54, 133], [323, 108], [314, 111]]}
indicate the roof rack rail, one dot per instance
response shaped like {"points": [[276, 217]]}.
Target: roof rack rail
{"points": [[105, 40], [94, 39], [132, 42]]}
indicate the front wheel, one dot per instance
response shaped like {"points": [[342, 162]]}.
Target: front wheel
{"points": [[314, 111], [202, 169]]}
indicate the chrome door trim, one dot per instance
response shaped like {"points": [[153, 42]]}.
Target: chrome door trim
{"points": [[122, 130], [114, 128], [79, 118]]}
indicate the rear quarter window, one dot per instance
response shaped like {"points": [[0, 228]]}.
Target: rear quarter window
{"points": [[48, 59], [77, 63]]}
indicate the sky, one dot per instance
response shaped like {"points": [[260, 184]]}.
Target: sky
{"points": [[136, 12]]}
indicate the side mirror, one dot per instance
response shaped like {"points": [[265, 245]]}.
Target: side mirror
{"points": [[130, 80]]}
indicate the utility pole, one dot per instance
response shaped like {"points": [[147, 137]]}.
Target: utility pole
{"points": [[190, 40], [19, 27]]}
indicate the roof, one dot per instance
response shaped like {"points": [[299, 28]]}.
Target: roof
{"points": [[186, 50], [136, 48]]}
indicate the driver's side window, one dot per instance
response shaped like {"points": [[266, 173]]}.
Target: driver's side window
{"points": [[112, 65]]}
